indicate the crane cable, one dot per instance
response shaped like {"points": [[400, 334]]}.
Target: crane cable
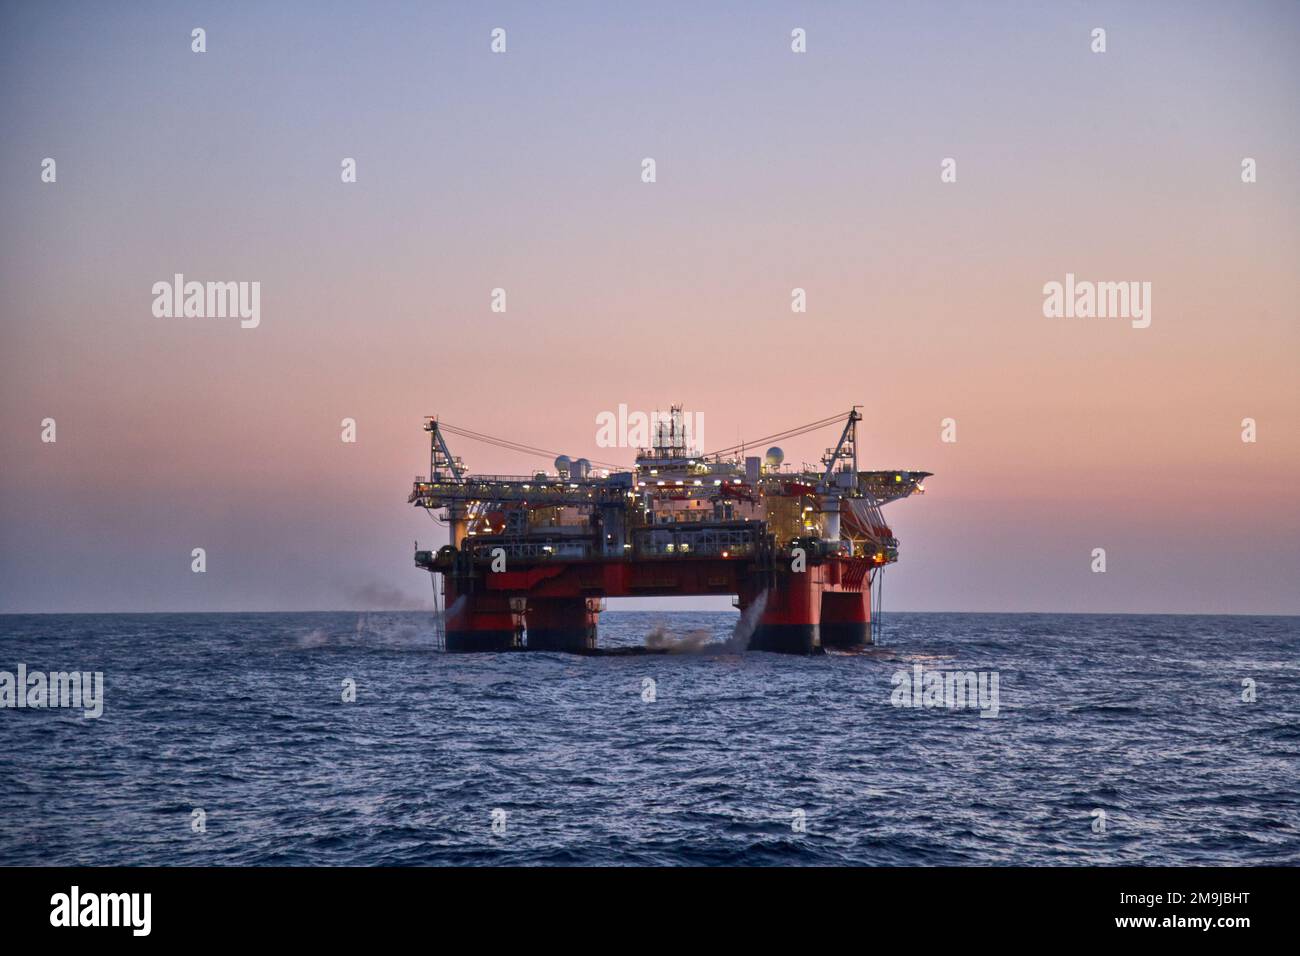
{"points": [[514, 446], [789, 433], [534, 451]]}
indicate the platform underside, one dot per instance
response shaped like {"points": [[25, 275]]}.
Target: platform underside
{"points": [[556, 606]]}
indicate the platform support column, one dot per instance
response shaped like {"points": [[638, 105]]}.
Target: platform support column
{"points": [[791, 615], [562, 624], [846, 618], [482, 621]]}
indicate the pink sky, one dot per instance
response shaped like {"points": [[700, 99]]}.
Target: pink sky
{"points": [[775, 171]]}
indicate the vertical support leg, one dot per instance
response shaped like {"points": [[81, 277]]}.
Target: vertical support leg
{"points": [[791, 617], [563, 624], [481, 621], [846, 618]]}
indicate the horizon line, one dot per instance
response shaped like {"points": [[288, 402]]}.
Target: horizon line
{"points": [[667, 611]]}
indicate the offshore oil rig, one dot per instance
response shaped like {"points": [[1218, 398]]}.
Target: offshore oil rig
{"points": [[532, 558]]}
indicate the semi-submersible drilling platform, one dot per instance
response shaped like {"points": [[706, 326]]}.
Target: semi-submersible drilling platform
{"points": [[532, 558]]}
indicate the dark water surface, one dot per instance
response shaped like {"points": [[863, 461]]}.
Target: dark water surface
{"points": [[241, 715]]}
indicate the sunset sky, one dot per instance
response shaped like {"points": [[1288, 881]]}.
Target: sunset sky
{"points": [[522, 171]]}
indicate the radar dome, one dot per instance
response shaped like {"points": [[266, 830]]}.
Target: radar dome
{"points": [[563, 464], [774, 457]]}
